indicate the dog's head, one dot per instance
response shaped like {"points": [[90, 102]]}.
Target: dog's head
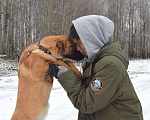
{"points": [[59, 46]]}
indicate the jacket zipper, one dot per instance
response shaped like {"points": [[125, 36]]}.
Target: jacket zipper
{"points": [[94, 116]]}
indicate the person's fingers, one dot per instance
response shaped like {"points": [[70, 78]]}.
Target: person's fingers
{"points": [[59, 67]]}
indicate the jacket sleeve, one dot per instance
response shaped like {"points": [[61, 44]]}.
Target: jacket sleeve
{"points": [[85, 99]]}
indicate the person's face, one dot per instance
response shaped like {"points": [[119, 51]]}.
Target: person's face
{"points": [[80, 46]]}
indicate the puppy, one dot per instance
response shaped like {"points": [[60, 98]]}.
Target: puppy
{"points": [[33, 91]]}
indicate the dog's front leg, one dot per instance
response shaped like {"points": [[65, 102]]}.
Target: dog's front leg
{"points": [[69, 65], [44, 55]]}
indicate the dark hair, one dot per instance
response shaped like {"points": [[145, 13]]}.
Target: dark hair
{"points": [[73, 33], [76, 55]]}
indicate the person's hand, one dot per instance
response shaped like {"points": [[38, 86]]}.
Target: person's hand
{"points": [[59, 67], [53, 70], [62, 70]]}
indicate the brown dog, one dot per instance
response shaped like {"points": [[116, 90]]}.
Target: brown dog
{"points": [[33, 91]]}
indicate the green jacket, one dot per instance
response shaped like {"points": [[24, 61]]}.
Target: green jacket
{"points": [[115, 99]]}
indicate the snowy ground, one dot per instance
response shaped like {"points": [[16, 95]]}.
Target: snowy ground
{"points": [[60, 106]]}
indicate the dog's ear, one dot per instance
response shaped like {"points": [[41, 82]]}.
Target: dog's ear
{"points": [[60, 45]]}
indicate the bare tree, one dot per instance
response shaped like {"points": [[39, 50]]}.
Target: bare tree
{"points": [[23, 22]]}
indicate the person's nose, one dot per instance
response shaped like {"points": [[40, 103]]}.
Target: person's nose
{"points": [[78, 48]]}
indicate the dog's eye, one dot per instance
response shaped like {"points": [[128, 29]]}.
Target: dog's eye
{"points": [[71, 48], [59, 46]]}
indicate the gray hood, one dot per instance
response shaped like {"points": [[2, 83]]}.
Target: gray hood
{"points": [[94, 31]]}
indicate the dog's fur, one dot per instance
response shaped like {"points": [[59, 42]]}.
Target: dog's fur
{"points": [[33, 91]]}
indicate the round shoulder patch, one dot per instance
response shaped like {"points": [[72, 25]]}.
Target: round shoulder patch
{"points": [[96, 84]]}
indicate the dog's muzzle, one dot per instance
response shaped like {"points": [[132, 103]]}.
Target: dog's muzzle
{"points": [[76, 55]]}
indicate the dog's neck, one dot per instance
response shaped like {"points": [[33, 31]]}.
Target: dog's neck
{"points": [[47, 51], [44, 49]]}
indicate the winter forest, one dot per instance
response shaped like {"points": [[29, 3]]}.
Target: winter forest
{"points": [[23, 22]]}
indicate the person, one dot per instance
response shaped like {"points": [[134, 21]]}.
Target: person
{"points": [[105, 91]]}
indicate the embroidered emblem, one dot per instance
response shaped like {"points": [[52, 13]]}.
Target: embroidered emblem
{"points": [[96, 84]]}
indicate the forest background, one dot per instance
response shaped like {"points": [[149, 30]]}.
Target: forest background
{"points": [[23, 22]]}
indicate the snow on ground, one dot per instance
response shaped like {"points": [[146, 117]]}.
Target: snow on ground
{"points": [[60, 106], [139, 72]]}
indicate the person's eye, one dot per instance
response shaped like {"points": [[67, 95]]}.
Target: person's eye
{"points": [[76, 43]]}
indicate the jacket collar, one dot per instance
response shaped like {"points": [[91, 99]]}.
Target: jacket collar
{"points": [[106, 44], [88, 67]]}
